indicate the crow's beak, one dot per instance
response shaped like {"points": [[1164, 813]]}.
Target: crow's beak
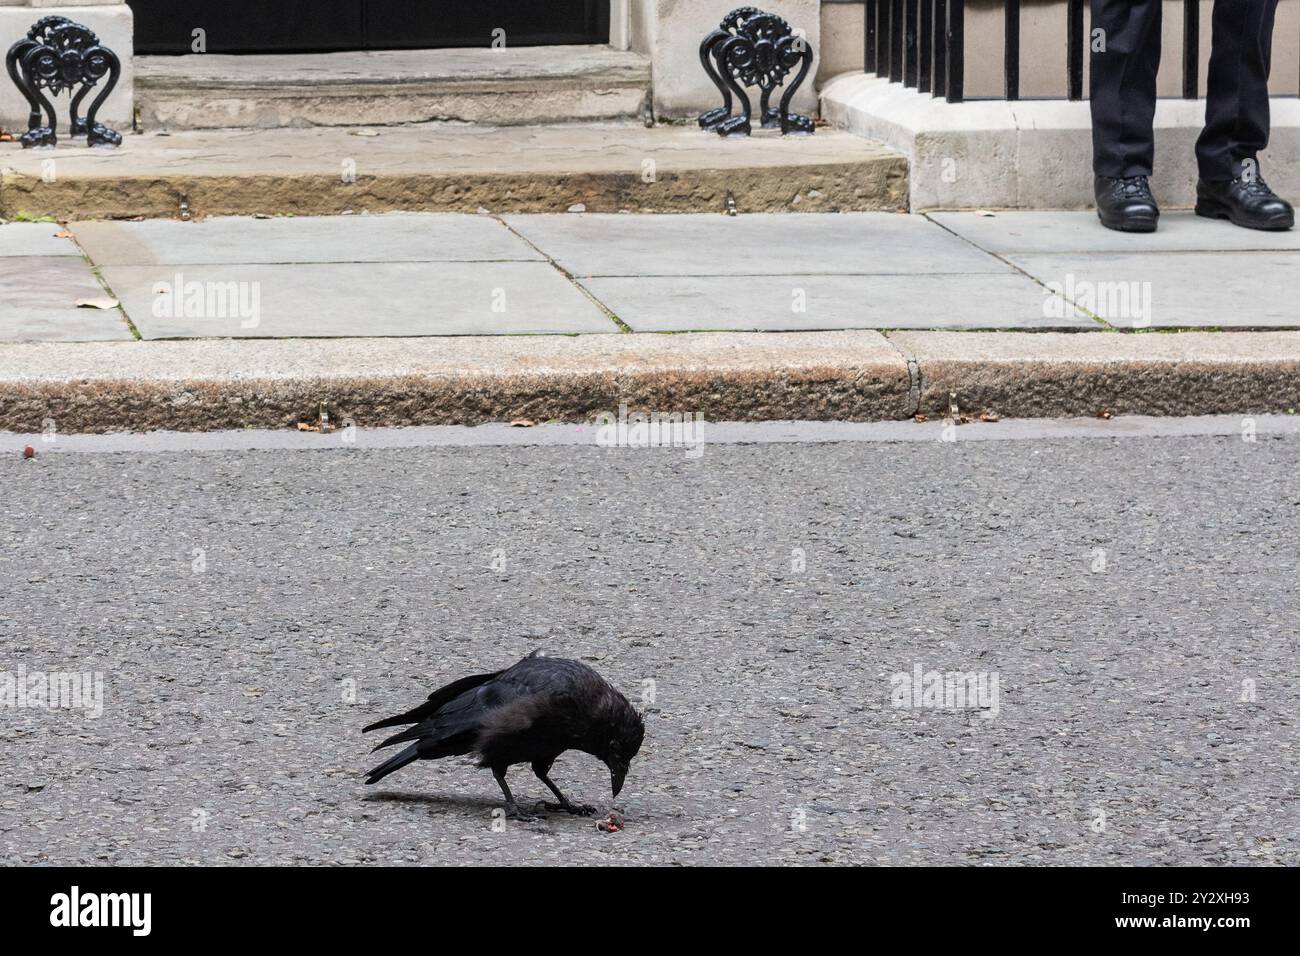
{"points": [[617, 772]]}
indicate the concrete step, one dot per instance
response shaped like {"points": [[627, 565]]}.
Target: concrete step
{"points": [[453, 167], [522, 85]]}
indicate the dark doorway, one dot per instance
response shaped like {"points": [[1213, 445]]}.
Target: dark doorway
{"points": [[302, 26]]}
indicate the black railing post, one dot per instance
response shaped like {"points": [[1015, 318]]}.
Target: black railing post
{"points": [[1011, 49], [883, 38], [911, 74], [870, 64], [1075, 44], [956, 30], [896, 41], [925, 47], [1191, 48], [940, 47]]}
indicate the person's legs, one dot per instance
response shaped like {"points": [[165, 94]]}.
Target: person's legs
{"points": [[1236, 106], [1124, 63], [1236, 120]]}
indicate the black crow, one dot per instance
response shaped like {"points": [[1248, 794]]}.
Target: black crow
{"points": [[529, 713]]}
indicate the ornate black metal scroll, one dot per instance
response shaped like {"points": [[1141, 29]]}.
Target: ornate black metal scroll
{"points": [[59, 55], [759, 49]]}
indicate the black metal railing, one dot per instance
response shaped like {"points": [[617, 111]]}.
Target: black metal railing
{"points": [[1191, 49], [922, 45], [1076, 45]]}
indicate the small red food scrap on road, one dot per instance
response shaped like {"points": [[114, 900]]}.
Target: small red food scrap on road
{"points": [[612, 822], [29, 452]]}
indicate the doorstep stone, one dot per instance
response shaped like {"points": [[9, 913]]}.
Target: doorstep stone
{"points": [[502, 87], [1030, 154], [450, 167]]}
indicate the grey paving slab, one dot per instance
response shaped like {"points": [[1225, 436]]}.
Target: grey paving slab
{"points": [[1046, 232], [35, 239], [356, 299], [717, 245], [1173, 289], [38, 298], [768, 304], [412, 237]]}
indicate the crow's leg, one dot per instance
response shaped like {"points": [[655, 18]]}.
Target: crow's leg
{"points": [[512, 809], [543, 769]]}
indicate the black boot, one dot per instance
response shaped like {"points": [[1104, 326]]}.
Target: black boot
{"points": [[1246, 202], [1126, 204]]}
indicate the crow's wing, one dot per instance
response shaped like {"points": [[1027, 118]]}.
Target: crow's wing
{"points": [[453, 728], [543, 690], [551, 708], [437, 699]]}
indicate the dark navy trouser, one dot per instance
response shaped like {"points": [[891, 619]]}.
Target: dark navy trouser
{"points": [[1123, 86]]}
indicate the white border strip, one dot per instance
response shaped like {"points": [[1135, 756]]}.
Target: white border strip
{"points": [[714, 433]]}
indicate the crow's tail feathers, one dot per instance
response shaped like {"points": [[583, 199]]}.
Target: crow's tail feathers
{"points": [[436, 701], [395, 762]]}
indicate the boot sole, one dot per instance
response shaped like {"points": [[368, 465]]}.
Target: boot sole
{"points": [[1129, 225], [1213, 209]]}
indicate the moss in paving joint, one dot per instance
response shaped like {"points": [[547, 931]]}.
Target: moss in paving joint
{"points": [[120, 309]]}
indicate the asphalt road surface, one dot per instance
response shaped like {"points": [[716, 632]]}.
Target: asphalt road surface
{"points": [[1127, 607]]}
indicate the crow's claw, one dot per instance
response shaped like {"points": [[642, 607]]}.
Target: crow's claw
{"points": [[577, 809]]}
